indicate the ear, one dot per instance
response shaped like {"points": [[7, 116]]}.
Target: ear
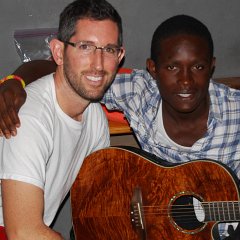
{"points": [[213, 65], [120, 58], [151, 67], [57, 49]]}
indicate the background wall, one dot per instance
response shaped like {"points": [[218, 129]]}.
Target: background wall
{"points": [[140, 18]]}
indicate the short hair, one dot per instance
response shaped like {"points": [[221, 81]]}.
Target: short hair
{"points": [[179, 24], [87, 9]]}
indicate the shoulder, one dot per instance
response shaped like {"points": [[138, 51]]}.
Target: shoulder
{"points": [[40, 105], [222, 90], [95, 125], [134, 82], [225, 101], [94, 112], [134, 76], [41, 90]]}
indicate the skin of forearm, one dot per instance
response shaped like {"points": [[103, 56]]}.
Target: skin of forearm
{"points": [[40, 233], [31, 71], [23, 209]]}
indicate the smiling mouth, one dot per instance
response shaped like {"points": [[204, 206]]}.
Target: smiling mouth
{"points": [[184, 95], [94, 78]]}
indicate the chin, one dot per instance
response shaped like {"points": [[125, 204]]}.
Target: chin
{"points": [[94, 98], [186, 110]]}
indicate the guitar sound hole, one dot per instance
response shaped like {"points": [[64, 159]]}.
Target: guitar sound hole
{"points": [[183, 213]]}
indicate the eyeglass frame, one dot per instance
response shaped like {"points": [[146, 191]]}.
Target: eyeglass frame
{"points": [[118, 49]]}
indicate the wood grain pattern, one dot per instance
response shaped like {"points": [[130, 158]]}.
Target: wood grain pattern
{"points": [[102, 193], [116, 128]]}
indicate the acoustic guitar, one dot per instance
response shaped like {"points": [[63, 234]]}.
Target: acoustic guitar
{"points": [[128, 194]]}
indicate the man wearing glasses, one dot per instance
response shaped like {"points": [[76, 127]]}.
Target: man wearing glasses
{"points": [[61, 122]]}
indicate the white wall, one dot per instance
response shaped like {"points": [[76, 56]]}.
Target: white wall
{"points": [[140, 18]]}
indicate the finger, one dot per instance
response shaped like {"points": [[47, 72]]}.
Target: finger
{"points": [[4, 130], [9, 113], [7, 131], [7, 128], [17, 105], [10, 101], [12, 119], [3, 127]]}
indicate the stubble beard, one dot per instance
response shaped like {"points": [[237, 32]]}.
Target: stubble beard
{"points": [[76, 83]]}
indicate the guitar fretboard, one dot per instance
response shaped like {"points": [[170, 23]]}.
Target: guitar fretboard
{"points": [[221, 211]]}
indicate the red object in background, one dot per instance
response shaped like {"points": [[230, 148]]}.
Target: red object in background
{"points": [[124, 70], [117, 116], [3, 235], [114, 116]]}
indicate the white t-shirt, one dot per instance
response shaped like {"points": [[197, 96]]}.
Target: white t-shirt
{"points": [[50, 147], [160, 132]]}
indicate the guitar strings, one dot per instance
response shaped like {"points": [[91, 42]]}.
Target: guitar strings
{"points": [[178, 211]]}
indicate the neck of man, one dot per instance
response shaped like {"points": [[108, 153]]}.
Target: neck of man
{"points": [[177, 117], [69, 101], [186, 128]]}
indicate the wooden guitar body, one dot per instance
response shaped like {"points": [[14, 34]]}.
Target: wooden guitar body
{"points": [[102, 194]]}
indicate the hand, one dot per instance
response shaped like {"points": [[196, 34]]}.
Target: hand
{"points": [[12, 97]]}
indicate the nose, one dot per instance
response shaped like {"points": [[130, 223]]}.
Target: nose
{"points": [[185, 76], [97, 59]]}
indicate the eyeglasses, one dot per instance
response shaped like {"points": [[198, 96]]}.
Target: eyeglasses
{"points": [[86, 48]]}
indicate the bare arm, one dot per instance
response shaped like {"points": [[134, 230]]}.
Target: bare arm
{"points": [[13, 96], [33, 70], [23, 206]]}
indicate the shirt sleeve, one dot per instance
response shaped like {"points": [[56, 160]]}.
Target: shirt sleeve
{"points": [[119, 92], [24, 157]]}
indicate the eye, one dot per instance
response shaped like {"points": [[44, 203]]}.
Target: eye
{"points": [[85, 47], [110, 50], [199, 67], [171, 67]]}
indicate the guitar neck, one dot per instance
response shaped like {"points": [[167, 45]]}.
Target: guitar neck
{"points": [[221, 211]]}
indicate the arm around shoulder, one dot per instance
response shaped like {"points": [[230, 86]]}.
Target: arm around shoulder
{"points": [[31, 71], [13, 96]]}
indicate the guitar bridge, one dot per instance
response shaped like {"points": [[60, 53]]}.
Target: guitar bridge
{"points": [[136, 213]]}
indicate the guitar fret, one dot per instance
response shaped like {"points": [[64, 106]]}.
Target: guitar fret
{"points": [[237, 211], [228, 210], [234, 211], [232, 217], [214, 213], [206, 211], [218, 211], [223, 211], [210, 213]]}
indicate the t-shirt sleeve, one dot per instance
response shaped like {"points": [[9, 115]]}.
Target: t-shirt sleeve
{"points": [[24, 157]]}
